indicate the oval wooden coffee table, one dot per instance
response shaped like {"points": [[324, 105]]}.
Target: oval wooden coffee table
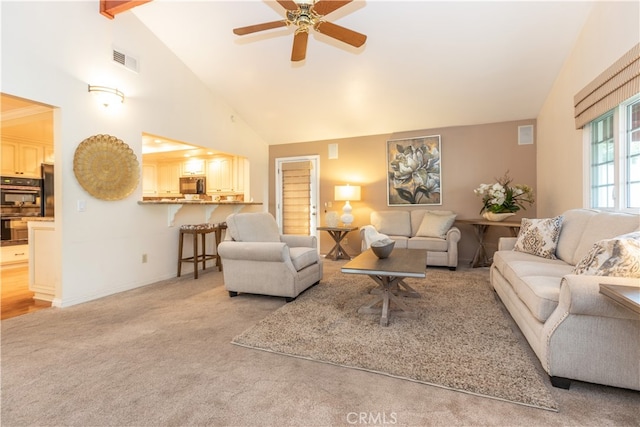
{"points": [[389, 273]]}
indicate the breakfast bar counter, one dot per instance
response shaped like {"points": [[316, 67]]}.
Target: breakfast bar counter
{"points": [[175, 205]]}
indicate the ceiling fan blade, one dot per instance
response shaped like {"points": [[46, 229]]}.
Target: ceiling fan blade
{"points": [[325, 7], [340, 33], [288, 4], [299, 51], [259, 27]]}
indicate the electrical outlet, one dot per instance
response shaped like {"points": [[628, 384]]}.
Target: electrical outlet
{"points": [[144, 258]]}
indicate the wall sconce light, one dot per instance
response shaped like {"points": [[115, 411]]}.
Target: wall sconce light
{"points": [[106, 95], [347, 193]]}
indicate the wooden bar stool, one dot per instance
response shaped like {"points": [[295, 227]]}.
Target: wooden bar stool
{"points": [[221, 227], [196, 230]]}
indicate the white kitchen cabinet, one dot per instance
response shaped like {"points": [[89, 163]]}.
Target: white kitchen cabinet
{"points": [[169, 179], [149, 180], [44, 274], [193, 167], [22, 159], [220, 174], [48, 154], [14, 256]]}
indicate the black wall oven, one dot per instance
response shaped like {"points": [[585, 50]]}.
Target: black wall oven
{"points": [[19, 198]]}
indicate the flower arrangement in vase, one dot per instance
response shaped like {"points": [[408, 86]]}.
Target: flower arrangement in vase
{"points": [[501, 199]]}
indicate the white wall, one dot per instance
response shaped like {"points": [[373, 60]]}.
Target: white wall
{"points": [[50, 52], [610, 31]]}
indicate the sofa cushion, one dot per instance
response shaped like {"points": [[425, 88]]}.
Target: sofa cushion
{"points": [[574, 222], [605, 225], [619, 256], [434, 244], [302, 257], [537, 284], [253, 227], [503, 258], [402, 242], [392, 223], [539, 236], [435, 225]]}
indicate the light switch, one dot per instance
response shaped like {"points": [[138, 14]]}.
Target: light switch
{"points": [[82, 205]]}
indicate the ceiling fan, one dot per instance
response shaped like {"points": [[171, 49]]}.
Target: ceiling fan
{"points": [[305, 15]]}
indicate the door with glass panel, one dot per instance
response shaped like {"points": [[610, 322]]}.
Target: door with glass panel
{"points": [[297, 195]]}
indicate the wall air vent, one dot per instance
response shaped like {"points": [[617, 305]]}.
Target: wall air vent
{"points": [[125, 60]]}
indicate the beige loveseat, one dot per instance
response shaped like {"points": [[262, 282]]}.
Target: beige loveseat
{"points": [[417, 229], [257, 259], [576, 332]]}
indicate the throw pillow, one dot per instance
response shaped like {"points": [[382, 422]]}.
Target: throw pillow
{"points": [[434, 225], [619, 257], [539, 236]]}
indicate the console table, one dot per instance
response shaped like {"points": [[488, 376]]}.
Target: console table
{"points": [[480, 226]]}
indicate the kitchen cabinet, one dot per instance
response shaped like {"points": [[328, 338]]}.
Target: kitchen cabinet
{"points": [[149, 180], [44, 274], [220, 174], [14, 256], [169, 179], [48, 154], [193, 167], [21, 159]]}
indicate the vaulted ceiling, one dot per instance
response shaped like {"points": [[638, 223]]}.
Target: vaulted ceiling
{"points": [[425, 64]]}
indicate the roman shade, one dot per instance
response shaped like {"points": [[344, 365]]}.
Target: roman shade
{"points": [[296, 197], [616, 84]]}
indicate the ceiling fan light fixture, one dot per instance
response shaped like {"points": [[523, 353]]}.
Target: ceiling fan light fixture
{"points": [[305, 14]]}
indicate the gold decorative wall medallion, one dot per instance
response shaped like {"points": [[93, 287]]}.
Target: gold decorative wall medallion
{"points": [[106, 167]]}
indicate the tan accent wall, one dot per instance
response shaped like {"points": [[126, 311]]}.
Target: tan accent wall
{"points": [[470, 155]]}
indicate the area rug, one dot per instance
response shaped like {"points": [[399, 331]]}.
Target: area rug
{"points": [[460, 338]]}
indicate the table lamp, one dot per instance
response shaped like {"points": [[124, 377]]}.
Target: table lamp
{"points": [[347, 193]]}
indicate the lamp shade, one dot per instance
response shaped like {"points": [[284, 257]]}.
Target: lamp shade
{"points": [[347, 192]]}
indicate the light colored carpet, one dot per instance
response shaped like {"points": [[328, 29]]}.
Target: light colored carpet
{"points": [[460, 338], [161, 355]]}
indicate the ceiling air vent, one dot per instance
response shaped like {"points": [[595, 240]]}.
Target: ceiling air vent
{"points": [[127, 61]]}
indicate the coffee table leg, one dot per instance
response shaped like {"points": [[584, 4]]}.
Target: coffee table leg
{"points": [[386, 296], [384, 317], [408, 292]]}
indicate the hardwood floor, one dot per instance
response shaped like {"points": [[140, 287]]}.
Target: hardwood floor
{"points": [[16, 297]]}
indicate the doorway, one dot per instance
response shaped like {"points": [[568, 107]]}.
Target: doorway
{"points": [[297, 198], [27, 129]]}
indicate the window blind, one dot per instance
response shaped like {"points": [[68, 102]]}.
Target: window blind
{"points": [[296, 197], [616, 84]]}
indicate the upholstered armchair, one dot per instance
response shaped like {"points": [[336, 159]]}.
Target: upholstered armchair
{"points": [[257, 259]]}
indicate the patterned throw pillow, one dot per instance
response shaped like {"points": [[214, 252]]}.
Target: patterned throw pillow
{"points": [[619, 257], [539, 236]]}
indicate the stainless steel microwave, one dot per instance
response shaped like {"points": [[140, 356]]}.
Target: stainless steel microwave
{"points": [[193, 185]]}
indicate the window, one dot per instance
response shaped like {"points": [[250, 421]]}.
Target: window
{"points": [[614, 141]]}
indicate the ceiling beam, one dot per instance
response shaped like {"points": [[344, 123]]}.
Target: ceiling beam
{"points": [[110, 8]]}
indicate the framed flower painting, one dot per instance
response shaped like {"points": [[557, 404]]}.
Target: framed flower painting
{"points": [[413, 171]]}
